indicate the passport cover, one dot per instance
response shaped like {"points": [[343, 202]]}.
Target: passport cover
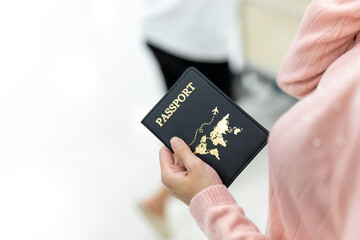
{"points": [[217, 130]]}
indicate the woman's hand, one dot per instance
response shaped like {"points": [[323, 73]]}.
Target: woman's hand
{"points": [[189, 176]]}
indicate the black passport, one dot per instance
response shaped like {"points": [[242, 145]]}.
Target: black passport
{"points": [[217, 130]]}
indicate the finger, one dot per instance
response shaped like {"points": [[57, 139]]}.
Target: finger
{"points": [[170, 172], [166, 158], [179, 162], [167, 162], [183, 152], [176, 160]]}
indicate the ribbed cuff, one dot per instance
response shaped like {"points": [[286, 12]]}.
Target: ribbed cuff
{"points": [[211, 196]]}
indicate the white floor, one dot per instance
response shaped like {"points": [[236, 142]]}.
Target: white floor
{"points": [[75, 82]]}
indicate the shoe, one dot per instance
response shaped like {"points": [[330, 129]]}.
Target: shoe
{"points": [[158, 223]]}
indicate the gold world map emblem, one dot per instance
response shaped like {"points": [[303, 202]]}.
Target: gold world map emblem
{"points": [[216, 136]]}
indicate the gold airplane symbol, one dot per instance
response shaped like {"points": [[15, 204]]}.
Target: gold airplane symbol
{"points": [[215, 111]]}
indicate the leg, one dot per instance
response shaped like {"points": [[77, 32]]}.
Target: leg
{"points": [[157, 202], [172, 67], [153, 210]]}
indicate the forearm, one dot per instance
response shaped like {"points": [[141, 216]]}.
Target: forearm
{"points": [[220, 217]]}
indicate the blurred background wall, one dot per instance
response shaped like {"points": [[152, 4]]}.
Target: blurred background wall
{"points": [[268, 29], [75, 82]]}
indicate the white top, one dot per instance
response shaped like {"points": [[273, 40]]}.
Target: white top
{"points": [[196, 30]]}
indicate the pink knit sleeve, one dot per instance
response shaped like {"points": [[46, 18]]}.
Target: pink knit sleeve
{"points": [[327, 31], [220, 217]]}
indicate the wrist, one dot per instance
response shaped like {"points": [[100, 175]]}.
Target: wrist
{"points": [[210, 196]]}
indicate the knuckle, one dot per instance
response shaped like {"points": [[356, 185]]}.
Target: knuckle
{"points": [[183, 151], [192, 164], [162, 150], [180, 148]]}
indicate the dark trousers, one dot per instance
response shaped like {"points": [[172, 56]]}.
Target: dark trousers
{"points": [[172, 67]]}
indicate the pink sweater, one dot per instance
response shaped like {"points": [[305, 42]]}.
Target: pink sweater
{"points": [[314, 148]]}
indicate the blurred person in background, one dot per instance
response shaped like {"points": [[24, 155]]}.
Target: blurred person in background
{"points": [[313, 148], [181, 34]]}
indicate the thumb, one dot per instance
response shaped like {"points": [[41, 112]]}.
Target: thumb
{"points": [[183, 152]]}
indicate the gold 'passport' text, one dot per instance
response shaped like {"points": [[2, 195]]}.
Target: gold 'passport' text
{"points": [[175, 104]]}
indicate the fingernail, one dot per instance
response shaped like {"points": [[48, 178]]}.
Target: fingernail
{"points": [[175, 141]]}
